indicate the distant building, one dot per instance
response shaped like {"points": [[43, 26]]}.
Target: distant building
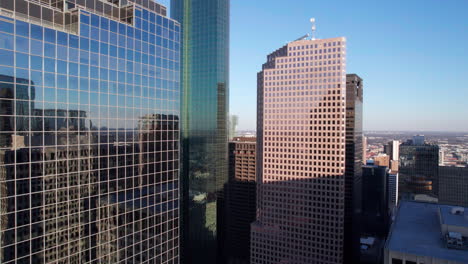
{"points": [[364, 149], [394, 166], [419, 140], [441, 157], [375, 197], [240, 198], [428, 233], [418, 169], [382, 160], [233, 121], [353, 163], [392, 190], [392, 149], [453, 185]]}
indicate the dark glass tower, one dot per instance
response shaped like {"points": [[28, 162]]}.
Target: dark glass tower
{"points": [[353, 167], [205, 75], [89, 139]]}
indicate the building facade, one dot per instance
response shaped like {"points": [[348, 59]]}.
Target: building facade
{"points": [[354, 147], [375, 203], [301, 113], [205, 98], [240, 199], [453, 185], [89, 140], [418, 168]]}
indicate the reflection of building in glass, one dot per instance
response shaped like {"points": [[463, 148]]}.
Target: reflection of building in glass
{"points": [[89, 140], [301, 137], [418, 169], [240, 198], [205, 74]]}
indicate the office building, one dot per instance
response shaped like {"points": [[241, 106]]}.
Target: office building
{"points": [[89, 140], [394, 166], [418, 169], [364, 150], [382, 160], [392, 190], [392, 149], [453, 185], [233, 121], [301, 154], [205, 84], [240, 199], [441, 157], [375, 204], [428, 233], [353, 164]]}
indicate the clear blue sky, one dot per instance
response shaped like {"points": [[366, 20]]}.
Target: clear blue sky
{"points": [[412, 55]]}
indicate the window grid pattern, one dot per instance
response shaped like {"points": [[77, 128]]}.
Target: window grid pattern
{"points": [[89, 141], [301, 104]]}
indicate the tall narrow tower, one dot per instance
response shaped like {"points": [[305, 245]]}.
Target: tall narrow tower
{"points": [[301, 129], [205, 98]]}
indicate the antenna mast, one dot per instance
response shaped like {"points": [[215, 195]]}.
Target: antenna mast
{"points": [[312, 20]]}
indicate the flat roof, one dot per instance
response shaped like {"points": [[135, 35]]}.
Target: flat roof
{"points": [[451, 219], [416, 231]]}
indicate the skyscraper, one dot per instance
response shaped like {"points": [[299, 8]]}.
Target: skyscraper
{"points": [[240, 199], [205, 97], [375, 206], [353, 181], [89, 111], [301, 154]]}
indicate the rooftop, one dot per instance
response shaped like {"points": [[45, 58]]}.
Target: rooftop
{"points": [[417, 231], [459, 220]]}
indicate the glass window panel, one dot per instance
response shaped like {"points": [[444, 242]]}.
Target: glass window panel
{"points": [[36, 78], [49, 79], [62, 67], [73, 41], [22, 28], [6, 57], [94, 20], [22, 44], [73, 69], [62, 81], [36, 63], [6, 41], [49, 35], [49, 65], [84, 19], [36, 47], [22, 60], [36, 32], [49, 50], [84, 30], [6, 26], [62, 38]]}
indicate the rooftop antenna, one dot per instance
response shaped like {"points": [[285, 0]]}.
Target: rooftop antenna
{"points": [[312, 20]]}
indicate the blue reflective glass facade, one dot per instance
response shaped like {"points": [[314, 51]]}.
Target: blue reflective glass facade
{"points": [[89, 136], [205, 82]]}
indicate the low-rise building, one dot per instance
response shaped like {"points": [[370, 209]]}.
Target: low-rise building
{"points": [[428, 233]]}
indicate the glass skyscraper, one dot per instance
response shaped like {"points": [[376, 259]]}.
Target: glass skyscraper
{"points": [[205, 73], [89, 140]]}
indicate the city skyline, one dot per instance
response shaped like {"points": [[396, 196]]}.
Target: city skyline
{"points": [[406, 73]]}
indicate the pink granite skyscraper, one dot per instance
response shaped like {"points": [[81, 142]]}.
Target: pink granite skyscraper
{"points": [[301, 154]]}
